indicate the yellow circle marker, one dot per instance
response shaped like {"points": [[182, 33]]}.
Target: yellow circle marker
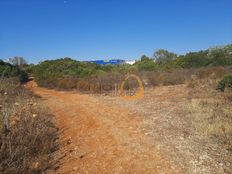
{"points": [[139, 94]]}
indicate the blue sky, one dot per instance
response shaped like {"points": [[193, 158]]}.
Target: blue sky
{"points": [[104, 29]]}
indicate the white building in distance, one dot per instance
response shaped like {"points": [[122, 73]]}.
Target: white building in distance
{"points": [[131, 62]]}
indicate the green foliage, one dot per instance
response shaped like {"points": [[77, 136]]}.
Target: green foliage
{"points": [[219, 56], [226, 82], [28, 68], [195, 59], [23, 76], [164, 60], [66, 73], [7, 70], [145, 58], [146, 64], [164, 56]]}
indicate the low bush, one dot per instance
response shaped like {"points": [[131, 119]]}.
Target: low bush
{"points": [[212, 72], [172, 77], [151, 78], [66, 83], [226, 82]]}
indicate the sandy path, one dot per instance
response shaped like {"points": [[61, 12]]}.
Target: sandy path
{"points": [[99, 138]]}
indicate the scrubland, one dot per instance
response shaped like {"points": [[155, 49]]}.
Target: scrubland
{"points": [[191, 120], [27, 131], [183, 124]]}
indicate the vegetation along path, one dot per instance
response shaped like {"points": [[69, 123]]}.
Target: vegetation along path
{"points": [[105, 135]]}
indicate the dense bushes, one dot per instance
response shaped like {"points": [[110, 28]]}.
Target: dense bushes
{"points": [[211, 57], [197, 59], [165, 68], [146, 64], [100, 81], [219, 56], [8, 70], [27, 133], [70, 74], [61, 71]]}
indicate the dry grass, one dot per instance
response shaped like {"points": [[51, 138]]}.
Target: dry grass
{"points": [[212, 111], [191, 122], [27, 131]]}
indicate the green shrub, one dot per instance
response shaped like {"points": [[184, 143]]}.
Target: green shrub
{"points": [[62, 73], [226, 82], [7, 71], [145, 64], [23, 76]]}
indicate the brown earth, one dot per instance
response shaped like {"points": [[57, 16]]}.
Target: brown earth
{"points": [[110, 135]]}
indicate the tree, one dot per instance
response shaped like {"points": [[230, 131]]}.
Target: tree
{"points": [[9, 70], [18, 61], [146, 64], [164, 56], [144, 58]]}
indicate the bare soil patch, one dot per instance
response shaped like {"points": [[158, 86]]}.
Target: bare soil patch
{"points": [[172, 121]]}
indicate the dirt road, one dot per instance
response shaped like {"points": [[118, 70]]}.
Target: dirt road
{"points": [[103, 134], [99, 138]]}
